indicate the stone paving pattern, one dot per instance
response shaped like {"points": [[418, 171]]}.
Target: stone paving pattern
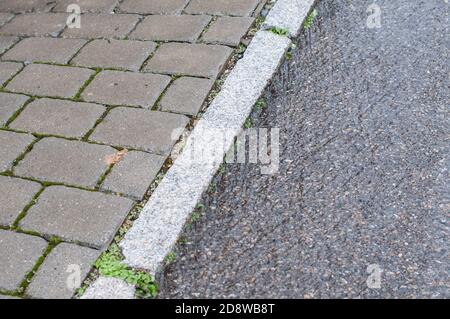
{"points": [[70, 99]]}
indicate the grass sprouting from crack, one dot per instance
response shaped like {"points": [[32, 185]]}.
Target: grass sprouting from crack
{"points": [[310, 19], [110, 265], [279, 31]]}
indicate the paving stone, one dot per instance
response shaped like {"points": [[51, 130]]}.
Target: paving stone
{"points": [[97, 6], [95, 26], [228, 30], [55, 277], [77, 215], [109, 288], [120, 54], [35, 24], [126, 88], [50, 80], [9, 104], [5, 17], [171, 27], [19, 253], [8, 70], [15, 194], [140, 129], [17, 6], [6, 42], [12, 145], [189, 59], [134, 174], [51, 50], [186, 95], [221, 7], [58, 117], [64, 161], [154, 6]]}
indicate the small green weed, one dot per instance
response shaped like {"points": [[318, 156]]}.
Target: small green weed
{"points": [[279, 31], [310, 19]]}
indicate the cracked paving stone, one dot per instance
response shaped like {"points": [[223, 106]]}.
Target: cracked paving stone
{"points": [[9, 104], [35, 24], [221, 7], [7, 42], [141, 129], [50, 80], [53, 278], [49, 50], [103, 26], [119, 54], [19, 253], [186, 95], [153, 7], [8, 70], [97, 6], [76, 215], [15, 194], [12, 146], [134, 174], [171, 28], [189, 59], [16, 6], [126, 88], [58, 117], [5, 17], [63, 161]]}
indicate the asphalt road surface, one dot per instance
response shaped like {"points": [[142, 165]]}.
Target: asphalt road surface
{"points": [[364, 170]]}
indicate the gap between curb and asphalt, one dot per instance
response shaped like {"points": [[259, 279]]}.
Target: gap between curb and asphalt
{"points": [[155, 232]]}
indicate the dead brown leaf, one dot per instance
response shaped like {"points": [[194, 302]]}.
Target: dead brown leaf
{"points": [[115, 158]]}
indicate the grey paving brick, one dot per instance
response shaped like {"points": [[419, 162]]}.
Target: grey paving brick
{"points": [[120, 54], [140, 129], [228, 30], [9, 104], [19, 253], [186, 95], [134, 174], [52, 50], [17, 6], [50, 80], [76, 215], [126, 88], [35, 24], [107, 26], [171, 27], [8, 70], [97, 6], [7, 42], [154, 6], [221, 7], [64, 161], [15, 194], [58, 117], [189, 59], [56, 277], [12, 145], [5, 17]]}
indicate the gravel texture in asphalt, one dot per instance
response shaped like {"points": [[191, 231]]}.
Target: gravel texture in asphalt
{"points": [[364, 127]]}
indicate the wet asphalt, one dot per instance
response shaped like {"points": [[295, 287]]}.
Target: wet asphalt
{"points": [[364, 116]]}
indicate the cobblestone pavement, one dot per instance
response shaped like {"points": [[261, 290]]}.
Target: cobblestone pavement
{"points": [[87, 116], [364, 125]]}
